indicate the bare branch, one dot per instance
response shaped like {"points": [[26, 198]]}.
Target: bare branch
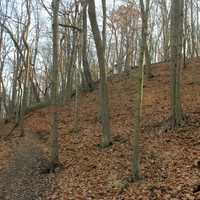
{"points": [[71, 26]]}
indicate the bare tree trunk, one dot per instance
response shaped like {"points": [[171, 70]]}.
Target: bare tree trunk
{"points": [[104, 101], [71, 65], [104, 25], [176, 60], [86, 69], [76, 100], [14, 83], [138, 98], [54, 132], [26, 67], [165, 29], [24, 96], [193, 42], [145, 16]]}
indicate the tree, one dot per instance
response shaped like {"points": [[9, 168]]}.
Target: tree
{"points": [[145, 16], [104, 101], [86, 69], [165, 16], [138, 99], [176, 42], [193, 41], [123, 22], [54, 131], [26, 68]]}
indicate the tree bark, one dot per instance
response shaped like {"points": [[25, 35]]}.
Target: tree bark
{"points": [[138, 98], [86, 69], [54, 131], [145, 16], [104, 101], [176, 60]]}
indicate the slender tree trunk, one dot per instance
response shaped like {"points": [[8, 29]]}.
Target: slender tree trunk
{"points": [[176, 60], [76, 100], [104, 101], [145, 16], [71, 65], [104, 25], [138, 98], [194, 70], [26, 68], [54, 132], [86, 69], [25, 92]]}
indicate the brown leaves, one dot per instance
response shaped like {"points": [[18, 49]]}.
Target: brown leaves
{"points": [[169, 162]]}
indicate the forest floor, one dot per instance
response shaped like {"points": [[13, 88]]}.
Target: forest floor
{"points": [[170, 162]]}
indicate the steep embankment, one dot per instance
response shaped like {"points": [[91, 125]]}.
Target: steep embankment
{"points": [[168, 160]]}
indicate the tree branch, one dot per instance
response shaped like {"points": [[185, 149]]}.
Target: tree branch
{"points": [[71, 26]]}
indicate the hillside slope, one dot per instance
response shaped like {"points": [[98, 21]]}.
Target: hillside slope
{"points": [[169, 161]]}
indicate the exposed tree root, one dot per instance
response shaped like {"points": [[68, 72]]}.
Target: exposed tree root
{"points": [[103, 146]]}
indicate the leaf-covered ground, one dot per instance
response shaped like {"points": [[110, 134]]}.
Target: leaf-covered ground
{"points": [[170, 162]]}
